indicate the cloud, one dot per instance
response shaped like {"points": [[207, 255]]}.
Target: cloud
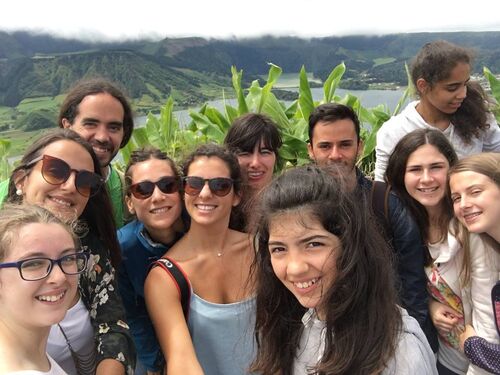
{"points": [[112, 19]]}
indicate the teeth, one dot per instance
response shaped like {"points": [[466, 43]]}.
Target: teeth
{"points": [[428, 190], [100, 149], [159, 210], [471, 216], [255, 174], [306, 284], [62, 202], [205, 207], [51, 298]]}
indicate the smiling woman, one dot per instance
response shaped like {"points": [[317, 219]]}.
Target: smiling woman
{"points": [[61, 173], [448, 101], [326, 301], [40, 260]]}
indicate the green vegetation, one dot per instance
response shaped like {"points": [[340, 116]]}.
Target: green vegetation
{"points": [[382, 61]]}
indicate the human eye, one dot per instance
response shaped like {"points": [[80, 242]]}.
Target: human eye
{"points": [[413, 169], [324, 146], [276, 250], [115, 128], [455, 198], [476, 192], [265, 151], [346, 144], [34, 264], [242, 153]]}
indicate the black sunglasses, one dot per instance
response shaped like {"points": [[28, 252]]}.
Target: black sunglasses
{"points": [[145, 189], [56, 172], [220, 186]]}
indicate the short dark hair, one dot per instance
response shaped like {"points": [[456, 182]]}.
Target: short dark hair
{"points": [[212, 150], [248, 130], [331, 112], [83, 88], [143, 154]]}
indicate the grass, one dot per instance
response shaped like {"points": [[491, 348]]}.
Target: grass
{"points": [[383, 61]]}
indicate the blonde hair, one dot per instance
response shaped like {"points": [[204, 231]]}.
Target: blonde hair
{"points": [[15, 216]]}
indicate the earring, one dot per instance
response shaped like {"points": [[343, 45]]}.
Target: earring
{"points": [[19, 192]]}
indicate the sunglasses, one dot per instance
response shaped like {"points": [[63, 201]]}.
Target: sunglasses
{"points": [[220, 186], [145, 189], [56, 172]]}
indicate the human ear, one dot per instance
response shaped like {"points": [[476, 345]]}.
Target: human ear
{"points": [[65, 123], [422, 86]]}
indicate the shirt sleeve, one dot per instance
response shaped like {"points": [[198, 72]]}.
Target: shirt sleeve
{"points": [[483, 354], [491, 141], [100, 294]]}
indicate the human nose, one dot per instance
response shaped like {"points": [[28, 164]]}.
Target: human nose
{"points": [[335, 154], [426, 175], [157, 194], [254, 159], [464, 202], [56, 274], [462, 93], [205, 191], [296, 264], [101, 134], [70, 183]]}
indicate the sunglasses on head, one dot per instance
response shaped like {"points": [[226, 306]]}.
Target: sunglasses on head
{"points": [[56, 172], [220, 186], [145, 189]]}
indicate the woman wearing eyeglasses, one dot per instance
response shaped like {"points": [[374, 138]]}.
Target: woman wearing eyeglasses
{"points": [[39, 266], [215, 262], [152, 194], [61, 173]]}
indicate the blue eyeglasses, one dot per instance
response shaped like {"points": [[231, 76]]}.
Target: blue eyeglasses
{"points": [[34, 269]]}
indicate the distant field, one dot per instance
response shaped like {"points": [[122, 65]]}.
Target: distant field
{"points": [[382, 61], [288, 80], [20, 140]]}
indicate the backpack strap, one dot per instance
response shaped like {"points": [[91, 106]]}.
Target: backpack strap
{"points": [[180, 280], [379, 196]]}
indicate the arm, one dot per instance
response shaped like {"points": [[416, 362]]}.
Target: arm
{"points": [[164, 306], [444, 317], [491, 140], [479, 351], [100, 295]]}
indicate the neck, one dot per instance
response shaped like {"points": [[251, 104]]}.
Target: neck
{"points": [[22, 346], [105, 171], [432, 116], [210, 239], [163, 236], [495, 234]]}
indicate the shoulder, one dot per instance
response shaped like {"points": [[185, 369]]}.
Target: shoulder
{"points": [[128, 234], [413, 354]]}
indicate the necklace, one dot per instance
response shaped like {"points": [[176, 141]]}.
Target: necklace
{"points": [[219, 253]]}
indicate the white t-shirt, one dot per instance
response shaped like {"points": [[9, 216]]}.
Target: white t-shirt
{"points": [[55, 369], [78, 329]]}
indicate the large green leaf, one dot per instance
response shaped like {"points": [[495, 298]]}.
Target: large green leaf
{"points": [[332, 82], [272, 77], [494, 84], [306, 104], [236, 78]]}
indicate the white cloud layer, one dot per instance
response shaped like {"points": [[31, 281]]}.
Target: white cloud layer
{"points": [[112, 19]]}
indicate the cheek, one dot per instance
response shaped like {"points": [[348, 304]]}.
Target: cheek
{"points": [[279, 268]]}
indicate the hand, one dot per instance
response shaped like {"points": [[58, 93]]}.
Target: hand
{"points": [[467, 332], [444, 317]]}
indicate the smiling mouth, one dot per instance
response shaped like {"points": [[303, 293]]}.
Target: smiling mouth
{"points": [[160, 210], [306, 284], [60, 202], [428, 190], [471, 216], [255, 174], [52, 298], [205, 207]]}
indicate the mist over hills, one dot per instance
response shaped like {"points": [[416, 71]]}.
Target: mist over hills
{"points": [[42, 65]]}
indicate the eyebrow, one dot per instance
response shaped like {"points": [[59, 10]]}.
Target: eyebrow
{"points": [[39, 254], [302, 240]]}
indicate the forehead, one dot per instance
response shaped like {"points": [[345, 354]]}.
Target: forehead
{"points": [[151, 169], [426, 154], [208, 167], [293, 224], [74, 154], [459, 73], [101, 105], [335, 131], [40, 239], [465, 179]]}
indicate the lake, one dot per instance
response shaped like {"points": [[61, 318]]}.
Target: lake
{"points": [[368, 98]]}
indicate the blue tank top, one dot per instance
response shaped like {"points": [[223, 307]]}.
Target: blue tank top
{"points": [[222, 335]]}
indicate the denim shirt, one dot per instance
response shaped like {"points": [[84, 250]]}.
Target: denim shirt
{"points": [[138, 252]]}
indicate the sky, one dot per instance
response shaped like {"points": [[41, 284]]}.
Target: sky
{"points": [[158, 19]]}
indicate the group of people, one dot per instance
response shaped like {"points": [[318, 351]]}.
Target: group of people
{"points": [[217, 266]]}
